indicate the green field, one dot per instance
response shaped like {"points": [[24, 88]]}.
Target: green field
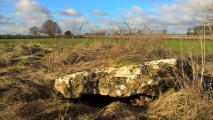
{"points": [[47, 41], [187, 46], [193, 46]]}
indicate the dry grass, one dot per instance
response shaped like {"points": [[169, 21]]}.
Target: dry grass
{"points": [[193, 101], [28, 72], [99, 55], [185, 104]]}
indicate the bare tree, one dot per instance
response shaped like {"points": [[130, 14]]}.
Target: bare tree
{"points": [[80, 28], [146, 30], [121, 29], [206, 13], [112, 30], [210, 17], [68, 34], [35, 31], [127, 25], [51, 28], [139, 32], [73, 27]]}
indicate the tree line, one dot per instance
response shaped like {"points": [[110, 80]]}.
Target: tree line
{"points": [[200, 30], [49, 27], [52, 29]]}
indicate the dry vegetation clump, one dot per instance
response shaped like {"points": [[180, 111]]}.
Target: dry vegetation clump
{"points": [[86, 57], [23, 80], [193, 100], [22, 54], [5, 61], [116, 111], [17, 97], [30, 49], [27, 74], [184, 104], [119, 111]]}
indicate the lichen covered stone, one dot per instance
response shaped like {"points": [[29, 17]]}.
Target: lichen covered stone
{"points": [[124, 81]]}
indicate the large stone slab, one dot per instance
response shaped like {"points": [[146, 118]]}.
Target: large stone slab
{"points": [[149, 78]]}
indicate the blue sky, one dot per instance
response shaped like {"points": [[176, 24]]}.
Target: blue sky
{"points": [[17, 16]]}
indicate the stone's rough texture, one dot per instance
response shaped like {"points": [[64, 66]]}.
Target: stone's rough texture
{"points": [[119, 82], [163, 61]]}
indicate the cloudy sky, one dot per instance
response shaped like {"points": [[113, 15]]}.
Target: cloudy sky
{"points": [[17, 16]]}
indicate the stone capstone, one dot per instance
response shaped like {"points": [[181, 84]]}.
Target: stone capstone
{"points": [[149, 79]]}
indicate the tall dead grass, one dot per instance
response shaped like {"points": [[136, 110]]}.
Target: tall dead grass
{"points": [[27, 92], [191, 102], [194, 100], [86, 57]]}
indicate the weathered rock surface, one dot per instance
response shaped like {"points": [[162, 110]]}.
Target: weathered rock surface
{"points": [[148, 79]]}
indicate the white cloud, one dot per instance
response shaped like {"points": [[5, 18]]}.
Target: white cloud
{"points": [[138, 21], [135, 16], [1, 16], [183, 13], [31, 12], [192, 6], [171, 18], [130, 15], [6, 21], [99, 12], [31, 6], [70, 23], [187, 6], [169, 8], [14, 29], [107, 21], [27, 17], [138, 10], [188, 11], [71, 12], [171, 15]]}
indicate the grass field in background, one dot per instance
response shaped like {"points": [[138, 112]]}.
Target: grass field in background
{"points": [[193, 46], [47, 41]]}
